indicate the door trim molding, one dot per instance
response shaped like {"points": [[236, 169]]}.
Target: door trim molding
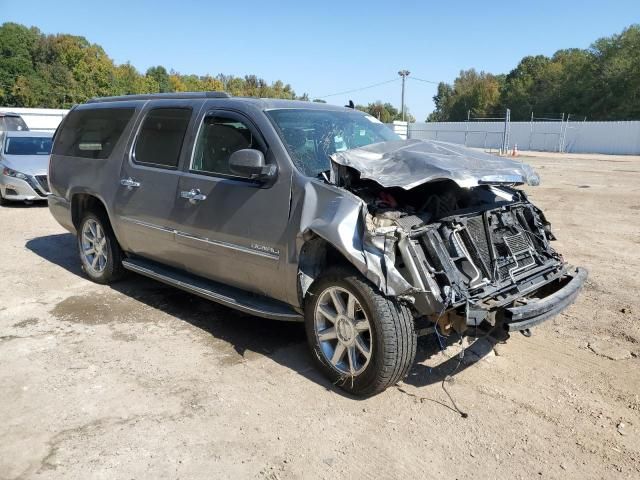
{"points": [[153, 226], [255, 249]]}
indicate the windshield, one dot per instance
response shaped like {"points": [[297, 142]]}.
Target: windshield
{"points": [[312, 135], [27, 146]]}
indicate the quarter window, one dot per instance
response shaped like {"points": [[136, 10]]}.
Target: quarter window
{"points": [[218, 138], [91, 133], [161, 135]]}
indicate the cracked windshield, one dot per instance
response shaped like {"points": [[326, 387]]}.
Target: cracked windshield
{"points": [[311, 136]]}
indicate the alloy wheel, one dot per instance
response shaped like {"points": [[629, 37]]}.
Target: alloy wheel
{"points": [[343, 331], [94, 246]]}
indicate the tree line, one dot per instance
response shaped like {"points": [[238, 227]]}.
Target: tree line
{"points": [[58, 71], [601, 82]]}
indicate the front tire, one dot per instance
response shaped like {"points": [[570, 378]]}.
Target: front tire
{"points": [[361, 340], [99, 251]]}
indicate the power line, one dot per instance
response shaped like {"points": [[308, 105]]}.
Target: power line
{"points": [[423, 80], [360, 89]]}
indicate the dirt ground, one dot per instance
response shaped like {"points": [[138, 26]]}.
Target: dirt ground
{"points": [[139, 380]]}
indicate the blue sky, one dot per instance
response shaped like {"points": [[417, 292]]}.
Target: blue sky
{"points": [[328, 46]]}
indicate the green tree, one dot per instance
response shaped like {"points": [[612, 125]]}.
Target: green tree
{"points": [[601, 82], [385, 112], [442, 100], [616, 86], [17, 44], [161, 78], [38, 70], [478, 92]]}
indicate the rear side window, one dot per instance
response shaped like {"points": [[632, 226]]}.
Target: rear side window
{"points": [[91, 133], [161, 135], [15, 124]]}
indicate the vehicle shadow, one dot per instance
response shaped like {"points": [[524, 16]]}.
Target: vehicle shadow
{"points": [[283, 342], [458, 358]]}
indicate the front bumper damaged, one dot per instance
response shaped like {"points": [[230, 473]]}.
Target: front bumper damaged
{"points": [[480, 267], [475, 286], [564, 293]]}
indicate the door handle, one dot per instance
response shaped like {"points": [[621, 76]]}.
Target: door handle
{"points": [[130, 183], [194, 196]]}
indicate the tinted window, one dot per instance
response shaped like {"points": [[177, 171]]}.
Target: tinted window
{"points": [[219, 137], [91, 133], [15, 124], [27, 146], [161, 136]]}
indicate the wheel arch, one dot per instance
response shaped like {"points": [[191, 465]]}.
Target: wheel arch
{"points": [[82, 202], [315, 257]]}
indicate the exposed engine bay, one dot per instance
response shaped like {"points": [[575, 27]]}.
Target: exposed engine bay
{"points": [[445, 229], [467, 251]]}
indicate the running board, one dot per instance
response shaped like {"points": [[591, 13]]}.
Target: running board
{"points": [[226, 295]]}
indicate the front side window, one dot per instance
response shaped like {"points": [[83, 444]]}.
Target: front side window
{"points": [[219, 137], [311, 136], [91, 133], [161, 135], [27, 146]]}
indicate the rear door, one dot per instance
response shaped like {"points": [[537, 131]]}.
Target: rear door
{"points": [[234, 232], [148, 183]]}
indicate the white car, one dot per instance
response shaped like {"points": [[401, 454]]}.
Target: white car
{"points": [[24, 164]]}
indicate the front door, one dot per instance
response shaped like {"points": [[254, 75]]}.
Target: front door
{"points": [[149, 181], [232, 228]]}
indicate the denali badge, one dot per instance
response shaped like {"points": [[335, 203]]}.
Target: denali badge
{"points": [[266, 249]]}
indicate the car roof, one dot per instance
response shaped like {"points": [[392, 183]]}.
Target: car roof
{"points": [[277, 103], [261, 103], [28, 133]]}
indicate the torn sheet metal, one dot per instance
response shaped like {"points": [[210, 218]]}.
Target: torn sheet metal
{"points": [[339, 218], [410, 163]]}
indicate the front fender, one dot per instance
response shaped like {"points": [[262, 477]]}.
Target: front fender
{"points": [[338, 217]]}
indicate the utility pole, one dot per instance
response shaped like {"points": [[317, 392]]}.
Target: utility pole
{"points": [[404, 74]]}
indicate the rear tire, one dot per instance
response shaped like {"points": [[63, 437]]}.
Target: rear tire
{"points": [[100, 253], [368, 322]]}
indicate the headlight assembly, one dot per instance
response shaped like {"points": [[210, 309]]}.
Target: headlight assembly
{"points": [[7, 172]]}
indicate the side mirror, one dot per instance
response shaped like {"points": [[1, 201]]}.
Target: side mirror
{"points": [[250, 163]]}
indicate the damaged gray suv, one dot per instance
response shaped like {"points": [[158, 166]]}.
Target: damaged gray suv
{"points": [[308, 212]]}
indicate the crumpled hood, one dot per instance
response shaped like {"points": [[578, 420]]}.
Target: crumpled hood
{"points": [[27, 164], [409, 163]]}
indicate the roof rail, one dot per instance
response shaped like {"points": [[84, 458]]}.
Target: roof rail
{"points": [[161, 96]]}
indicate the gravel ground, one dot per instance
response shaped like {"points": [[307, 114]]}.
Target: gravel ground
{"points": [[138, 380]]}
